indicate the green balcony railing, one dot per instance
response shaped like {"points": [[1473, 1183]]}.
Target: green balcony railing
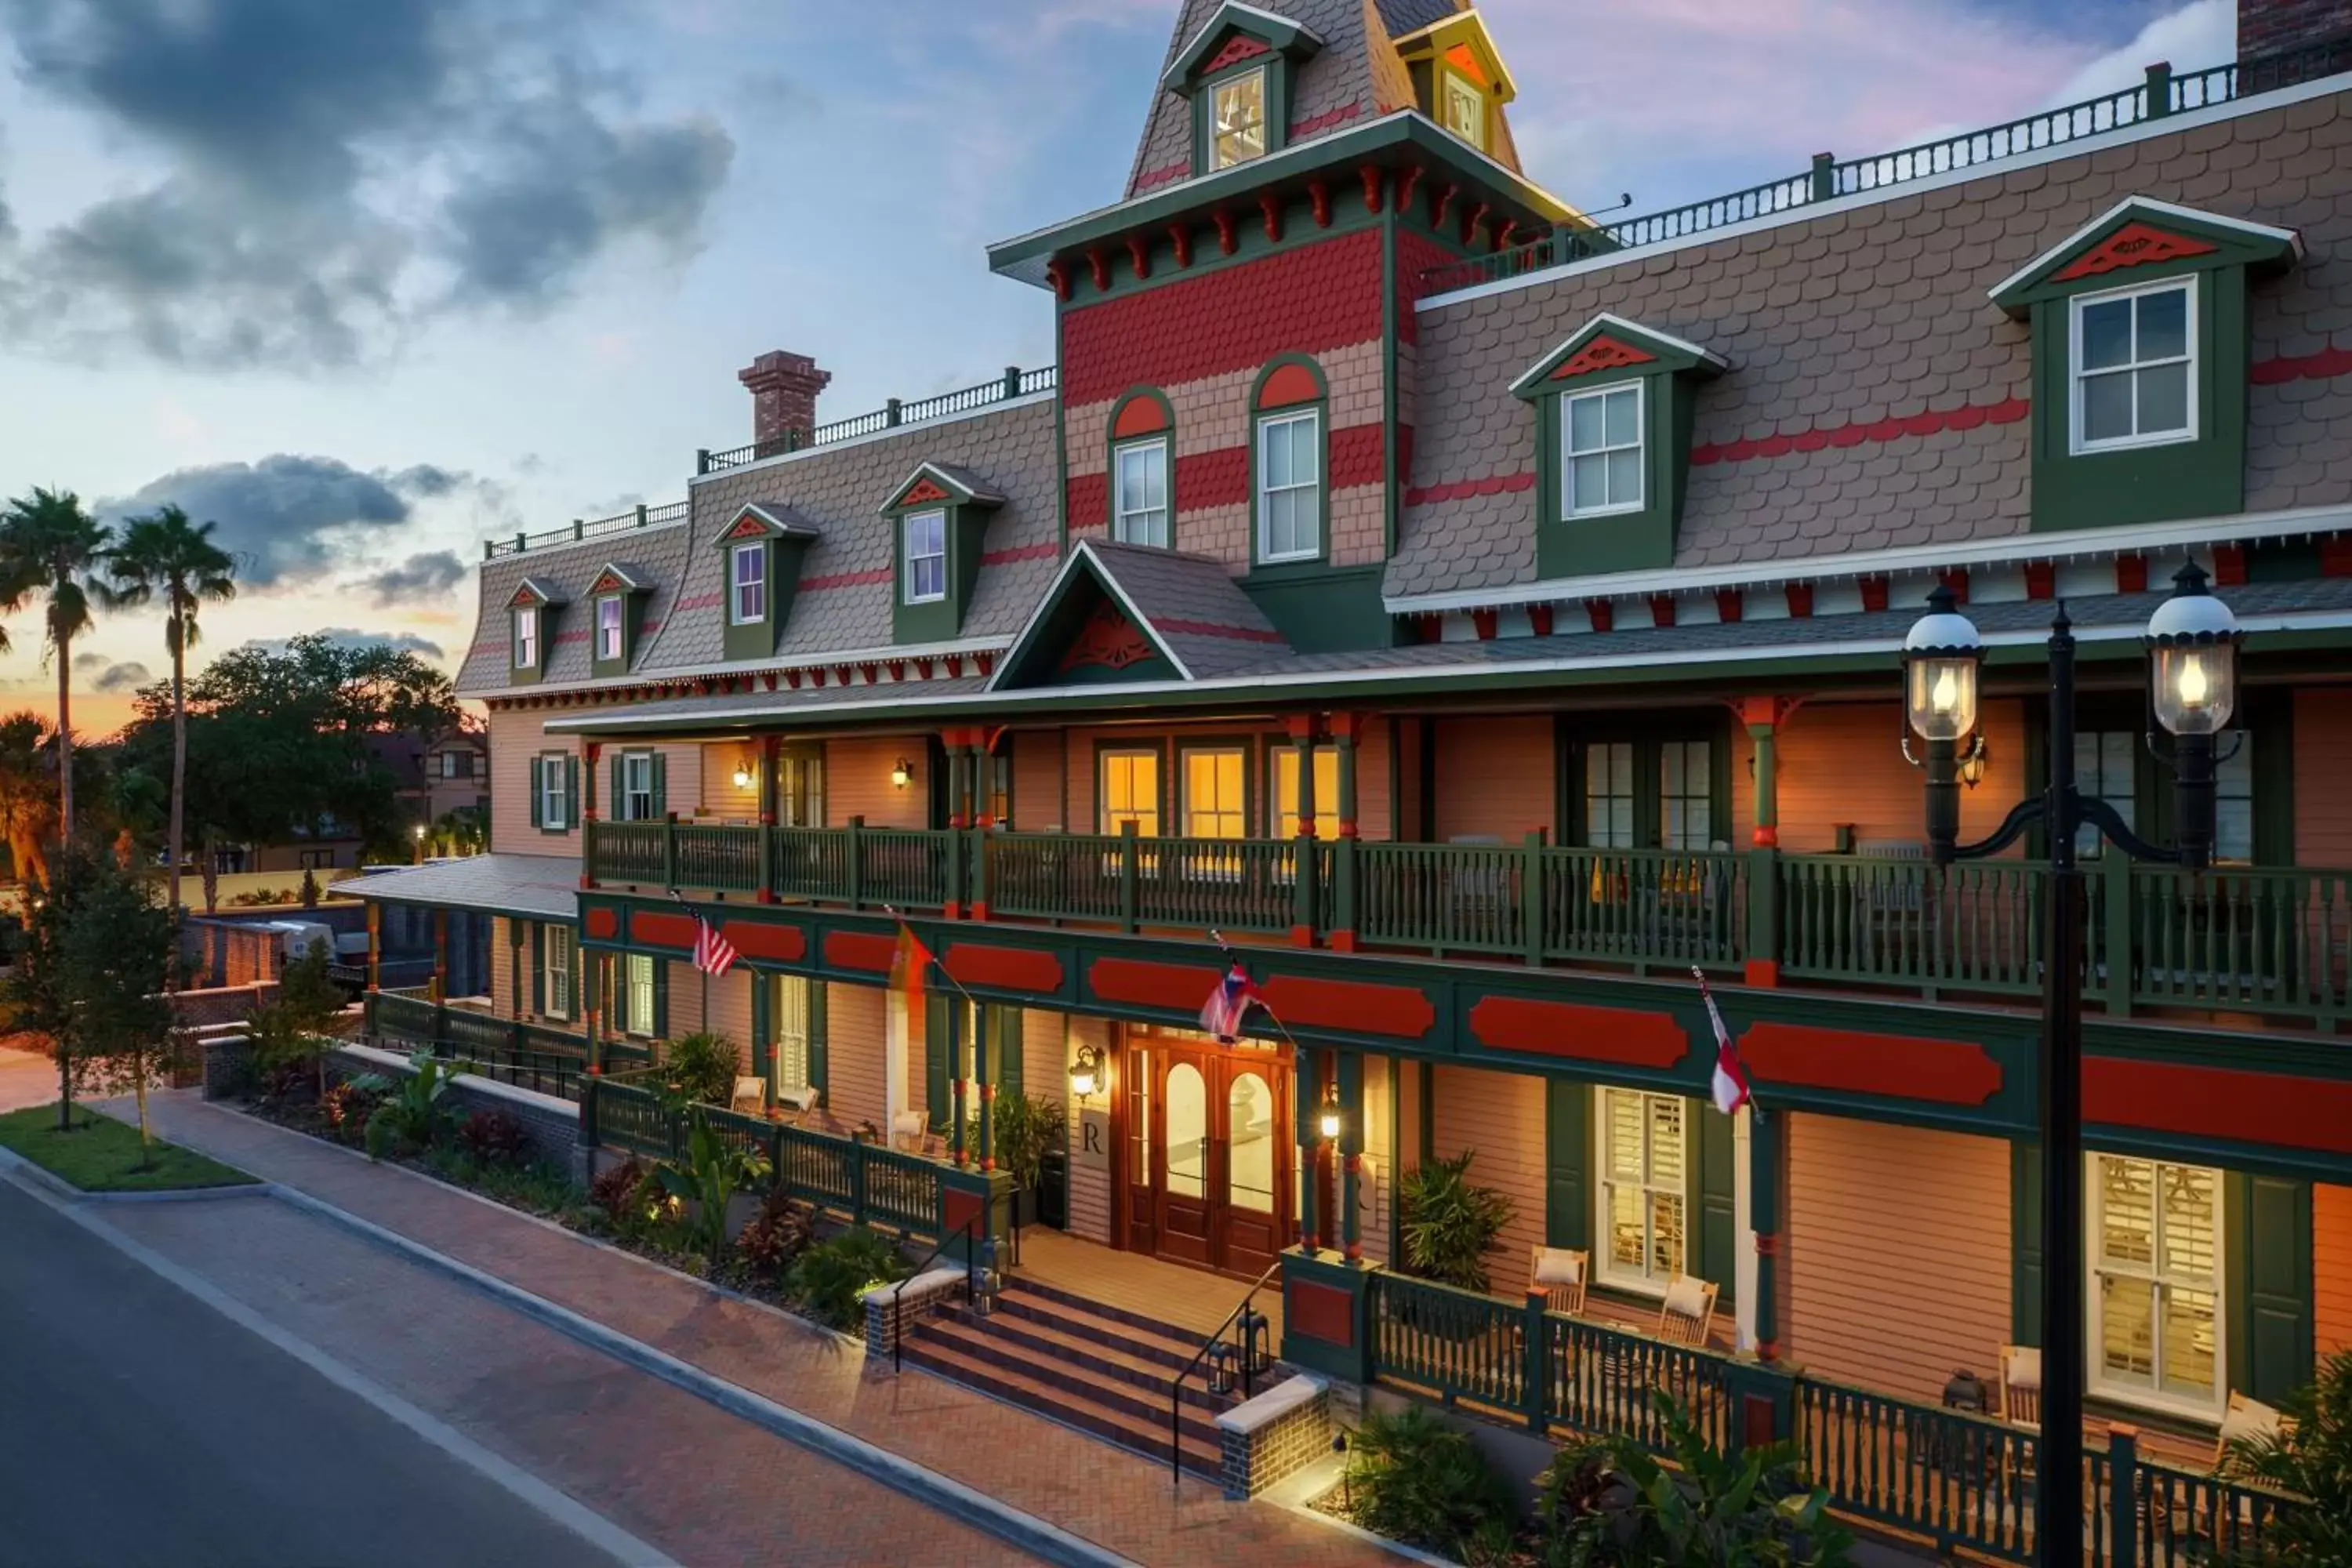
{"points": [[528, 1056], [2235, 938], [1973, 926]]}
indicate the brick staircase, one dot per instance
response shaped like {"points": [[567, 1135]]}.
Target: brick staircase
{"points": [[1099, 1368]]}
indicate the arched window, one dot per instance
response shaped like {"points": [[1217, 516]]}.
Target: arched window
{"points": [[1143, 471], [1288, 481]]}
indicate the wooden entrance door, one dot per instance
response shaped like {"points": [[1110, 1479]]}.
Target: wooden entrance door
{"points": [[1209, 1153]]}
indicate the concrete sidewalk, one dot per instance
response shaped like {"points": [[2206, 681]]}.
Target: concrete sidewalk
{"points": [[1118, 1502]]}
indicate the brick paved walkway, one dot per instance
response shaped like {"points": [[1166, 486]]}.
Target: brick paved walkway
{"points": [[1117, 1499]]}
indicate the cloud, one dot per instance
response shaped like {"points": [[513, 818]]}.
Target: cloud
{"points": [[294, 517], [128, 676], [327, 177], [2202, 33], [352, 637], [426, 576]]}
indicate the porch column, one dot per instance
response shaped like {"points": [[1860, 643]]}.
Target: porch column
{"points": [[1763, 717], [1302, 918], [1307, 1083], [1347, 729], [1351, 1148], [983, 818], [440, 989], [956, 1110], [590, 753], [986, 1049], [767, 793], [375, 945], [1765, 1133]]}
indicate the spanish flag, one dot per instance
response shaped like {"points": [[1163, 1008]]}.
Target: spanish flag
{"points": [[906, 969]]}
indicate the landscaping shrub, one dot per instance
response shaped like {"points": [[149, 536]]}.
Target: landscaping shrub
{"points": [[1416, 1480], [414, 1116], [494, 1137], [714, 1170], [2313, 1460], [832, 1278], [702, 1068], [1450, 1222], [349, 1105], [615, 1188], [775, 1237]]}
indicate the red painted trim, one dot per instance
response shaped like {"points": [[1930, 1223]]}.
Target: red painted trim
{"points": [[2335, 556], [865, 950], [1956, 579], [1539, 619], [1179, 987], [1321, 1311], [1047, 551], [2228, 565], [1289, 384], [1179, 239], [1166, 174], [1764, 972], [2131, 574], [1343, 940], [1485, 622], [1324, 120], [2321, 366], [1767, 835], [602, 922], [1005, 968], [1928, 422], [2042, 579], [1461, 490], [1603, 353], [2134, 245], [2219, 1102], [1621, 1036], [1603, 613], [1728, 605], [1661, 609], [1873, 594], [778, 944], [1402, 1012], [1142, 416], [661, 928], [1239, 47], [1302, 936], [837, 580], [1896, 1067], [959, 1206]]}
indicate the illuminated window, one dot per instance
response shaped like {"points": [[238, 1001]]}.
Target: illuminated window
{"points": [[1215, 805], [1645, 1188], [1131, 791], [1286, 793], [789, 1018], [1465, 111], [1237, 119], [637, 998], [2155, 1282]]}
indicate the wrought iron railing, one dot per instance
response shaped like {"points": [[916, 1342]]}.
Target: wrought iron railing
{"points": [[580, 529], [1014, 382], [2160, 93], [536, 1057]]}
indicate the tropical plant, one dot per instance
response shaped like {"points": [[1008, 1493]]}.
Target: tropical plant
{"points": [[494, 1137], [1610, 1503], [774, 1238], [348, 1106], [832, 1278], [1026, 1128], [164, 555], [2310, 1455], [49, 544], [714, 1170], [616, 1190], [1413, 1478], [29, 793], [700, 1069], [1450, 1222], [295, 1032], [414, 1117]]}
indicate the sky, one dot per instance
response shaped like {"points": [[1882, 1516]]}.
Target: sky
{"points": [[366, 284]]}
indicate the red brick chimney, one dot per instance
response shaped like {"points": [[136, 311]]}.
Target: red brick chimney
{"points": [[783, 388], [2267, 28]]}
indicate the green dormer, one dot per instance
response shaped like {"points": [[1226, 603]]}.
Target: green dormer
{"points": [[1237, 71], [760, 569], [1613, 446], [2140, 354], [616, 613], [531, 630], [938, 522]]}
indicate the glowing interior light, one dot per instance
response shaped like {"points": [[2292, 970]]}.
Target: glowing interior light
{"points": [[1947, 694], [2194, 688]]}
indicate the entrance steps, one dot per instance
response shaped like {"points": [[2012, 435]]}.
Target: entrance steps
{"points": [[1101, 1369]]}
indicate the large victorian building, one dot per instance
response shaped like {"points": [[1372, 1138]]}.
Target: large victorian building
{"points": [[1481, 617]]}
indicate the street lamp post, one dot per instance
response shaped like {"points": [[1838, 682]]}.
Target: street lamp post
{"points": [[2192, 642]]}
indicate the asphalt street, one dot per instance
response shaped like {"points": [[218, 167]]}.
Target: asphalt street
{"points": [[137, 1425]]}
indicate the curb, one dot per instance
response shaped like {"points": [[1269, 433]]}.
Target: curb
{"points": [[1030, 1533], [42, 1176]]}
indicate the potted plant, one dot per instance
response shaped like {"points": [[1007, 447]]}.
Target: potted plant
{"points": [[1027, 1128], [1450, 1222]]}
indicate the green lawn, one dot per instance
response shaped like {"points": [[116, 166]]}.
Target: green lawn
{"points": [[101, 1154]]}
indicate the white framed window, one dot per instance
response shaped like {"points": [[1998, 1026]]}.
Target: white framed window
{"points": [[609, 643], [637, 993], [1609, 795], [927, 557], [558, 962], [526, 637], [747, 578], [554, 794], [1237, 119], [788, 1019], [1131, 791], [1465, 111], [1290, 486], [1217, 801], [2133, 361], [637, 802], [1601, 451], [1645, 1188], [1139, 481], [2156, 1292]]}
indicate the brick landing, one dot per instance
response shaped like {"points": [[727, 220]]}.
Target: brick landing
{"points": [[1116, 1500]]}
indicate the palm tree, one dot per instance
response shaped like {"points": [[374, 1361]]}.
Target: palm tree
{"points": [[49, 544], [166, 556]]}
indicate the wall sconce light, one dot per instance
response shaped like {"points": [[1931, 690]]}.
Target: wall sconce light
{"points": [[1327, 1120], [1085, 1072], [901, 773], [1972, 763], [743, 776]]}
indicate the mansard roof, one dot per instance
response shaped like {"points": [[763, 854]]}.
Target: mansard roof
{"points": [[564, 573], [2140, 231]]}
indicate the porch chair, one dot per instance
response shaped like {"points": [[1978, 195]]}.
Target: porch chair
{"points": [[1561, 1275], [1687, 1314], [2249, 1419], [800, 1101], [753, 1091], [907, 1130], [2020, 1386]]}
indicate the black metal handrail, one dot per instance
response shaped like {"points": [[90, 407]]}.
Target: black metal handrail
{"points": [[1176, 1387], [970, 1276]]}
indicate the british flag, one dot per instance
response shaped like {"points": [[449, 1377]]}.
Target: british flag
{"points": [[713, 953], [1228, 1006]]}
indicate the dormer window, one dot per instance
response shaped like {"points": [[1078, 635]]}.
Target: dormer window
{"points": [[927, 557], [1602, 461], [1459, 80], [611, 627], [526, 637], [747, 576], [1237, 119], [2134, 367], [1465, 111]]}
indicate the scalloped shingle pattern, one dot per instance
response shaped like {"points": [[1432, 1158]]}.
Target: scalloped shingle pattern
{"points": [[656, 556]]}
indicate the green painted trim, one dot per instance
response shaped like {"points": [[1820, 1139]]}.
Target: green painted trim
{"points": [[1323, 609], [937, 620], [1393, 482], [1667, 358], [532, 674], [1034, 661], [1299, 231], [1639, 540], [1569, 1151], [2026, 1242], [2233, 247], [632, 603], [1714, 1242]]}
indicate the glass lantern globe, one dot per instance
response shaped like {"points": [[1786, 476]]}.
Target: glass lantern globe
{"points": [[2192, 643], [1940, 661]]}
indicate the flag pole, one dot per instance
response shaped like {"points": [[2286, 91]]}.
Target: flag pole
{"points": [[705, 1014], [1715, 1021], [1226, 949], [936, 963]]}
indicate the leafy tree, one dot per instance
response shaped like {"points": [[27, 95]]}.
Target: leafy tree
{"points": [[296, 1029], [50, 544], [164, 555], [41, 990], [115, 953]]}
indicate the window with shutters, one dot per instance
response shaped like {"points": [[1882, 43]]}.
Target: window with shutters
{"points": [[555, 792], [634, 800], [788, 1018], [638, 989], [1645, 1200], [2156, 1288], [558, 962]]}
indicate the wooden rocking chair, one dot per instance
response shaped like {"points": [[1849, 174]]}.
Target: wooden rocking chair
{"points": [[1561, 1276], [1687, 1314], [2020, 1386]]}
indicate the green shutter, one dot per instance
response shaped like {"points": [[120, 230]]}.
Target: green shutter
{"points": [[936, 1024], [1568, 1153], [2026, 1242], [817, 992], [660, 1030], [764, 1046], [1714, 1247], [2268, 1239], [538, 794], [539, 969], [613, 801], [570, 793], [1006, 1028], [661, 785]]}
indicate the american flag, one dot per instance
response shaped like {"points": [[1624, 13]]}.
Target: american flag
{"points": [[713, 953], [1730, 1078], [1222, 1013]]}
